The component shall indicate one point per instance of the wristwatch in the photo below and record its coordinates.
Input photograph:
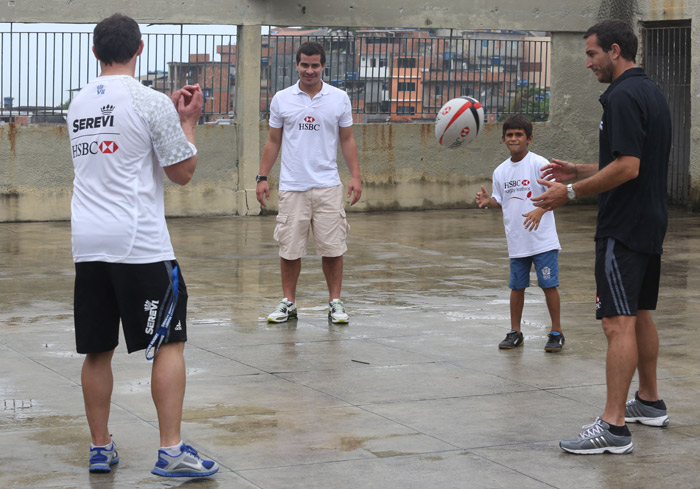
(259, 178)
(570, 193)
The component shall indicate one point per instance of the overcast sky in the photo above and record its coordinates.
(45, 66)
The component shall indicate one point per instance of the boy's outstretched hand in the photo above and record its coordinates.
(532, 219)
(483, 198)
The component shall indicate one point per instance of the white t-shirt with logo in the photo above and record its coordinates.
(513, 186)
(122, 134)
(310, 135)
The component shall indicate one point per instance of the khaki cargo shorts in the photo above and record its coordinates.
(320, 209)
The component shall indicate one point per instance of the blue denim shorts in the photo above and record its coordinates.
(546, 266)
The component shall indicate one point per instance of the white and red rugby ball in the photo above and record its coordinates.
(459, 122)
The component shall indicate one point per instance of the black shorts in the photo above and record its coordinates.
(626, 280)
(138, 294)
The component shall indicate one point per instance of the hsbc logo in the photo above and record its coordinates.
(462, 134)
(511, 184)
(309, 124)
(94, 147)
(518, 187)
(108, 147)
(516, 183)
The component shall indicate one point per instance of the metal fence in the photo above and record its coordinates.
(667, 61)
(42, 71)
(396, 75)
(392, 77)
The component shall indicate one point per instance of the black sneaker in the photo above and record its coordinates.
(512, 340)
(555, 342)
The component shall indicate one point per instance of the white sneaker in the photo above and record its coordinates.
(284, 311)
(336, 312)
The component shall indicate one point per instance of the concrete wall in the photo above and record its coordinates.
(568, 15)
(402, 165)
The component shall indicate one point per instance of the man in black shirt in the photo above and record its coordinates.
(630, 179)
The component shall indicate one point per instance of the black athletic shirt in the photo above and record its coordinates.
(636, 122)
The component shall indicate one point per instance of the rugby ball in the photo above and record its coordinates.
(459, 122)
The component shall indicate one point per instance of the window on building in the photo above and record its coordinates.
(407, 62)
(406, 86)
(405, 110)
(531, 66)
(467, 92)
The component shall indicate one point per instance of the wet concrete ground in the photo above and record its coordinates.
(414, 393)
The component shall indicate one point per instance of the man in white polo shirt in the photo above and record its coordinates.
(307, 120)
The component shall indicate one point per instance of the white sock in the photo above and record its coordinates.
(173, 451)
(107, 447)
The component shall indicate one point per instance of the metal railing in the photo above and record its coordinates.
(42, 71)
(410, 78)
(390, 75)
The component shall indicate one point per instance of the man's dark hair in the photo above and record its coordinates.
(116, 39)
(615, 31)
(518, 121)
(311, 48)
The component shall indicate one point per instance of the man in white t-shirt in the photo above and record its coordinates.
(531, 241)
(123, 137)
(307, 120)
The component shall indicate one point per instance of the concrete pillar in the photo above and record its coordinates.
(574, 107)
(249, 40)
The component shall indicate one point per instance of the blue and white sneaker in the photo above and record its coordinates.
(102, 458)
(187, 464)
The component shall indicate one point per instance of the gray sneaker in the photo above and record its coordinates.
(596, 438)
(284, 311)
(336, 312)
(638, 412)
(512, 340)
(187, 464)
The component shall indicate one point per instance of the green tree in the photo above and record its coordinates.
(531, 102)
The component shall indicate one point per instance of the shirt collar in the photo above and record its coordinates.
(632, 72)
(324, 89)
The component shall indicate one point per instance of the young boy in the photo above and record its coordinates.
(532, 241)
